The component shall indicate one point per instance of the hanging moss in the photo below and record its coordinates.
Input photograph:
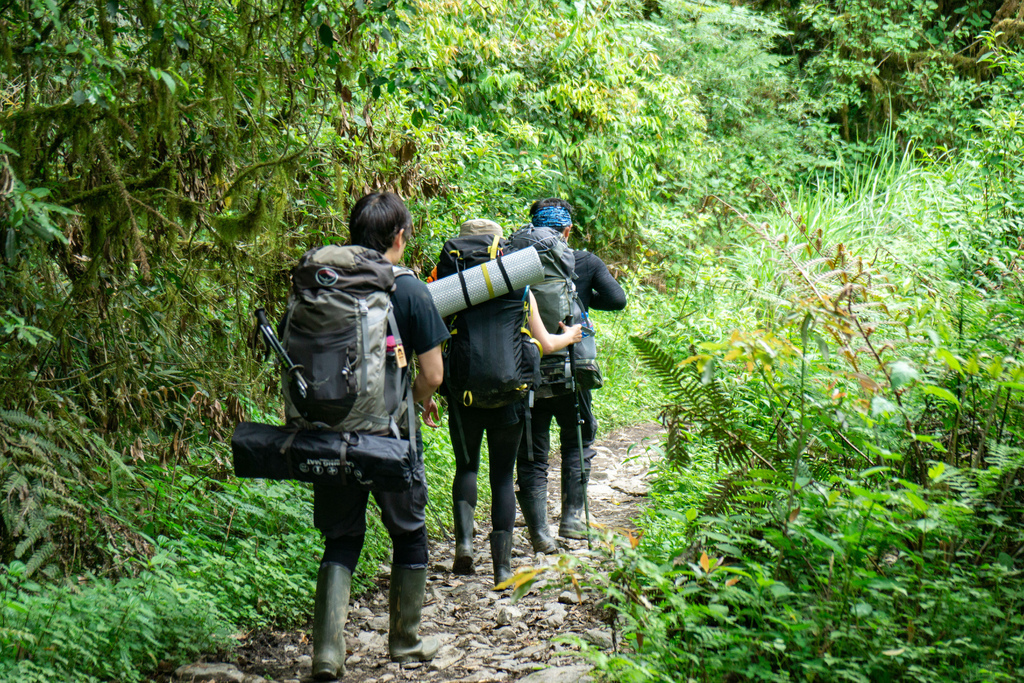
(5, 44)
(231, 229)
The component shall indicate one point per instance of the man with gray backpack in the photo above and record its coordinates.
(574, 282)
(354, 321)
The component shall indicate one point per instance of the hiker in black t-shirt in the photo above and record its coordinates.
(504, 427)
(597, 289)
(381, 221)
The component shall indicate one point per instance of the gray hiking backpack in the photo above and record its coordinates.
(555, 293)
(340, 327)
(557, 301)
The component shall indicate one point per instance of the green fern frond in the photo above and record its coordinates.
(722, 492)
(19, 420)
(39, 558)
(672, 376)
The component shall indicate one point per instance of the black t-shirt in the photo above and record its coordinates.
(419, 323)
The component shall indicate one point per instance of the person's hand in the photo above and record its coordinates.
(430, 413)
(575, 332)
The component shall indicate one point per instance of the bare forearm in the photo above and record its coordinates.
(430, 376)
(422, 389)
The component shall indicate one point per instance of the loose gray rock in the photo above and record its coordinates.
(568, 598)
(506, 633)
(599, 637)
(304, 661)
(369, 640)
(508, 614)
(486, 676)
(560, 674)
(205, 672)
(555, 608)
(553, 621)
(444, 661)
(379, 623)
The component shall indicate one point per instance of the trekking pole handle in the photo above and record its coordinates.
(275, 345)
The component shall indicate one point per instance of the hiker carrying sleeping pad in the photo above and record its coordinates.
(490, 365)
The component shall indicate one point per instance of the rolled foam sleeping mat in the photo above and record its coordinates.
(484, 282)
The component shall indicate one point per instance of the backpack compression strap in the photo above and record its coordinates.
(453, 406)
(494, 253)
(536, 373)
(410, 408)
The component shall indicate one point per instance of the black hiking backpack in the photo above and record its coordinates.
(491, 360)
(340, 327)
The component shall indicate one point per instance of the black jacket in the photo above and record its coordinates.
(595, 285)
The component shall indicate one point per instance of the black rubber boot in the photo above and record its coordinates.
(463, 514)
(406, 606)
(501, 556)
(534, 505)
(572, 524)
(333, 585)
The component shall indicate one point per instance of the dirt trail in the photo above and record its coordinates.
(484, 635)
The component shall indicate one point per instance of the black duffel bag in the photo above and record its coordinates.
(374, 463)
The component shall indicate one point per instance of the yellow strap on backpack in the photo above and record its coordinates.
(487, 280)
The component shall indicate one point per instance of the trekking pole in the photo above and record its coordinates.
(275, 345)
(579, 439)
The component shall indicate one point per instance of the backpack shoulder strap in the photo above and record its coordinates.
(410, 408)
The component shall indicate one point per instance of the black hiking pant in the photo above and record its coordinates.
(502, 447)
(533, 473)
(340, 513)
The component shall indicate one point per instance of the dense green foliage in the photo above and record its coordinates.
(815, 207)
(857, 404)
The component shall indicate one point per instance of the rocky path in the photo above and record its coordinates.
(484, 635)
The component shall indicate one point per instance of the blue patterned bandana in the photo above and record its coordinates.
(552, 217)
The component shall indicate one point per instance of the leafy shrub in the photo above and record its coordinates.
(859, 405)
(99, 629)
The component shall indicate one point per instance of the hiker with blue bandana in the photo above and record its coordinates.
(594, 288)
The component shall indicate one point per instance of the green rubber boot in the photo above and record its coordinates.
(534, 505)
(572, 524)
(406, 602)
(333, 586)
(463, 514)
(501, 556)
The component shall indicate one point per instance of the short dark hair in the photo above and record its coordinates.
(550, 201)
(376, 220)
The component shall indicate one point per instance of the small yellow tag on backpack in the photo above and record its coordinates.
(400, 356)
